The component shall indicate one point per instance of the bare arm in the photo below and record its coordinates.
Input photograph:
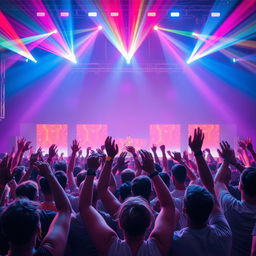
(250, 148)
(154, 149)
(203, 169)
(71, 180)
(109, 201)
(253, 249)
(164, 158)
(94, 222)
(165, 221)
(53, 151)
(56, 238)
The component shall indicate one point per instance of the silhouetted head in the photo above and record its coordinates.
(127, 175)
(60, 166)
(80, 177)
(18, 172)
(20, 222)
(248, 182)
(62, 178)
(28, 189)
(166, 178)
(125, 190)
(198, 204)
(44, 186)
(141, 186)
(179, 173)
(135, 216)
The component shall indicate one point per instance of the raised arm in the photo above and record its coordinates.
(228, 156)
(99, 231)
(5, 174)
(71, 181)
(53, 151)
(154, 149)
(195, 144)
(164, 158)
(20, 145)
(109, 201)
(242, 145)
(250, 148)
(138, 167)
(191, 175)
(56, 238)
(165, 221)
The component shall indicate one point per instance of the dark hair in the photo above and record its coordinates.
(28, 189)
(198, 203)
(60, 166)
(62, 178)
(80, 177)
(19, 221)
(248, 180)
(125, 190)
(77, 170)
(127, 175)
(44, 186)
(135, 216)
(141, 186)
(165, 177)
(18, 173)
(179, 172)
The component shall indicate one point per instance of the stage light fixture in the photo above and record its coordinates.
(92, 14)
(156, 27)
(234, 60)
(64, 14)
(40, 14)
(151, 14)
(55, 31)
(114, 14)
(175, 14)
(215, 14)
(194, 34)
(100, 27)
(26, 60)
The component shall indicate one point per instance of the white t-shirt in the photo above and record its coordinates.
(121, 248)
(212, 240)
(241, 217)
(178, 193)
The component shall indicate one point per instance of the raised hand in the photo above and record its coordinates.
(111, 147)
(227, 152)
(53, 150)
(20, 144)
(242, 144)
(147, 161)
(176, 156)
(185, 156)
(121, 160)
(154, 148)
(75, 147)
(93, 162)
(162, 147)
(5, 170)
(197, 141)
(33, 158)
(131, 150)
(27, 146)
(43, 168)
(249, 145)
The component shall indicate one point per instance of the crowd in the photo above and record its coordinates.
(130, 203)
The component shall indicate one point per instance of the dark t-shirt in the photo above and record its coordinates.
(42, 252)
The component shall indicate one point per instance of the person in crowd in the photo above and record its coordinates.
(134, 217)
(20, 221)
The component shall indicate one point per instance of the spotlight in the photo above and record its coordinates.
(64, 14)
(175, 14)
(194, 34)
(55, 31)
(151, 14)
(234, 60)
(100, 27)
(26, 60)
(114, 14)
(40, 14)
(215, 14)
(156, 27)
(92, 14)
